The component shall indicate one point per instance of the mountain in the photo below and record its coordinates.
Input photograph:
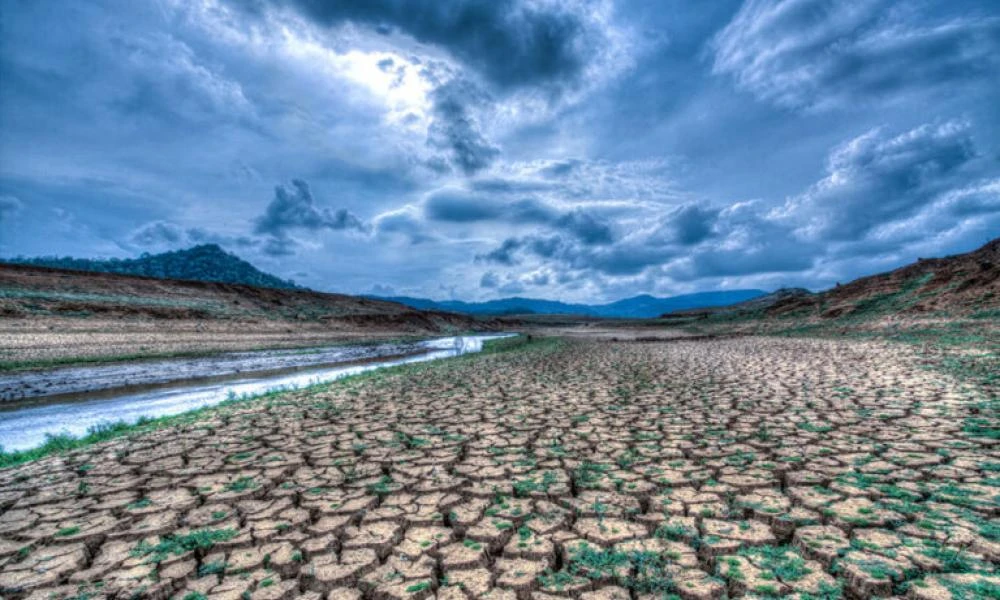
(646, 306)
(207, 262)
(638, 307)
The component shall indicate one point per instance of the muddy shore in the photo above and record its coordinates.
(73, 380)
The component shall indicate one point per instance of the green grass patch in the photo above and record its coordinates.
(61, 443)
(176, 545)
(643, 572)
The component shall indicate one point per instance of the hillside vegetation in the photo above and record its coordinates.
(964, 285)
(207, 262)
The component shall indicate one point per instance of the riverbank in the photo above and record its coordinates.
(57, 342)
(38, 383)
(52, 317)
(24, 426)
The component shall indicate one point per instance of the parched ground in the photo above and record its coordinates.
(750, 467)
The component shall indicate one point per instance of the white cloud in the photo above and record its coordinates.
(877, 178)
(823, 53)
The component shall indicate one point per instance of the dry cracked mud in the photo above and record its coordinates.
(751, 467)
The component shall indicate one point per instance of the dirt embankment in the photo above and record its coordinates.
(54, 316)
(955, 285)
(963, 287)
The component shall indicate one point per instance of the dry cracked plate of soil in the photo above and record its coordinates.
(750, 467)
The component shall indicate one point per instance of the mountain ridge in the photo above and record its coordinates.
(640, 306)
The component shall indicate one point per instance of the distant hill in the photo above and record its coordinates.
(207, 262)
(959, 284)
(962, 284)
(758, 305)
(29, 291)
(637, 307)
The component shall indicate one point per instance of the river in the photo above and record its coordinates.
(25, 424)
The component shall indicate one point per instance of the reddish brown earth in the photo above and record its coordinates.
(30, 291)
(592, 469)
(60, 315)
(952, 286)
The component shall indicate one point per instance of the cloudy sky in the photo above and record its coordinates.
(582, 150)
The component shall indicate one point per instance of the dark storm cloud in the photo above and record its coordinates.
(279, 246)
(512, 43)
(879, 178)
(802, 53)
(508, 186)
(593, 247)
(546, 247)
(200, 235)
(502, 254)
(623, 258)
(455, 131)
(763, 249)
(406, 223)
(88, 65)
(489, 280)
(691, 224)
(291, 209)
(977, 199)
(771, 256)
(456, 206)
(560, 169)
(585, 227)
(162, 235)
(882, 190)
(459, 206)
(750, 243)
(159, 233)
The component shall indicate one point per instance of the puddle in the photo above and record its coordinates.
(24, 425)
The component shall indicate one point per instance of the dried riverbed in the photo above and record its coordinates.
(25, 425)
(595, 470)
(74, 380)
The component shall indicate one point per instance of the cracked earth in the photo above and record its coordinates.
(751, 467)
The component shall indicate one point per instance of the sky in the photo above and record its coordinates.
(581, 150)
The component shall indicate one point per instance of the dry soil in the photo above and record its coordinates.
(749, 467)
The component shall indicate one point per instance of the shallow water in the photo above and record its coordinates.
(28, 385)
(26, 426)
